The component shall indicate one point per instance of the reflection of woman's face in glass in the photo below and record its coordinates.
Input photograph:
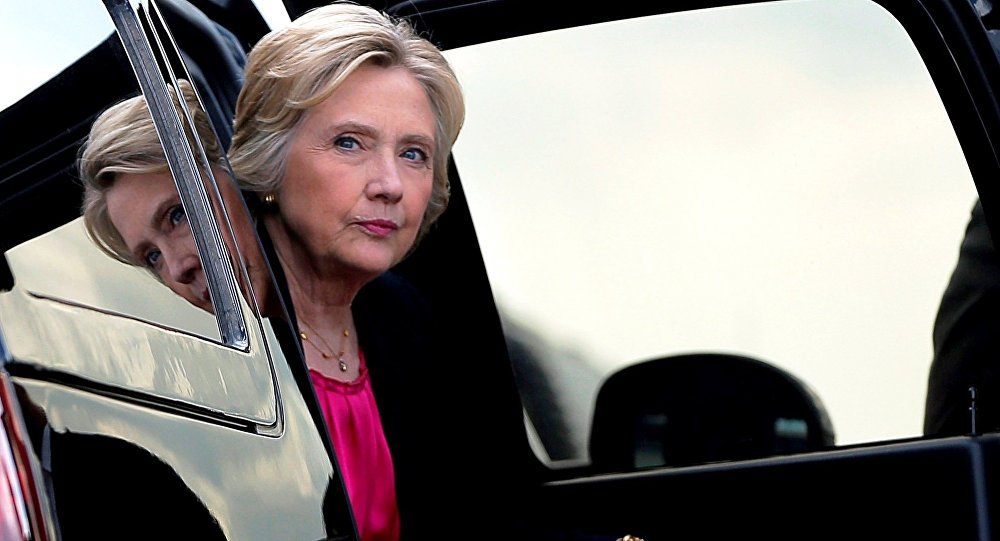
(146, 210)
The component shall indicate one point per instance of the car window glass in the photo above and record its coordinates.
(65, 264)
(69, 307)
(779, 181)
(53, 257)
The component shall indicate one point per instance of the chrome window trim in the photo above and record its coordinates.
(180, 159)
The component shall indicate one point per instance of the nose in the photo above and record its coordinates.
(181, 265)
(385, 182)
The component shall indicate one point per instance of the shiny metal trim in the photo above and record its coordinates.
(180, 159)
(5, 356)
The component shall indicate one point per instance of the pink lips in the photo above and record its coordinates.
(379, 228)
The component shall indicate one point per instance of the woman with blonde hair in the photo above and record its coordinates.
(343, 131)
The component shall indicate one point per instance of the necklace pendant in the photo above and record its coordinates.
(325, 355)
(343, 366)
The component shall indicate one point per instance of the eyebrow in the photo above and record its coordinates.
(161, 210)
(420, 139)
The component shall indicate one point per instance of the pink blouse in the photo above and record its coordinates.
(356, 429)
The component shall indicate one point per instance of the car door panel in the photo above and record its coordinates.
(110, 455)
(926, 490)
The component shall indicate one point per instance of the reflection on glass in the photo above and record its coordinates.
(62, 262)
(131, 207)
(777, 180)
(133, 213)
(65, 264)
(78, 310)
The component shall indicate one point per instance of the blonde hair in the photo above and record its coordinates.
(296, 67)
(123, 139)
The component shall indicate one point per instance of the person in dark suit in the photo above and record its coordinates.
(963, 391)
(342, 134)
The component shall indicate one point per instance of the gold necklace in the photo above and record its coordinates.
(326, 355)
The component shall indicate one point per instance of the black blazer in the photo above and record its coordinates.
(450, 413)
(449, 410)
(457, 473)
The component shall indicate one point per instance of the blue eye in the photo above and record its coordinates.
(414, 154)
(346, 142)
(176, 215)
(152, 258)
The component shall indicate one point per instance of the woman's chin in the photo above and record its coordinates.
(373, 261)
(369, 270)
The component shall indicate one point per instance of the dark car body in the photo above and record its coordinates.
(128, 414)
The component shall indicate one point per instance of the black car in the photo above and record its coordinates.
(690, 272)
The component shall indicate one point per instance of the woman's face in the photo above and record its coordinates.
(359, 174)
(146, 210)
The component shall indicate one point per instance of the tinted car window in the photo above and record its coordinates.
(63, 263)
(778, 181)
